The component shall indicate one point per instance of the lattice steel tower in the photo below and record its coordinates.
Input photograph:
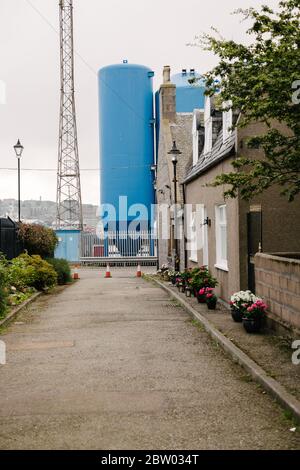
(69, 205)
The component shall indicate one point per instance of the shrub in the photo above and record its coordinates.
(20, 273)
(38, 240)
(3, 287)
(31, 271)
(62, 269)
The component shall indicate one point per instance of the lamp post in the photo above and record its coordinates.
(175, 153)
(19, 150)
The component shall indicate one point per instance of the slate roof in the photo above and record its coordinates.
(220, 151)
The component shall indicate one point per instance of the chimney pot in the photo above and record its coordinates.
(167, 74)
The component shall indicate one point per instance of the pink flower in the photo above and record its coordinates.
(209, 296)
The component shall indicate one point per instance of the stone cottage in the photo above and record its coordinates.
(231, 232)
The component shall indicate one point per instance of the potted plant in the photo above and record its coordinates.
(201, 296)
(211, 300)
(172, 276)
(178, 282)
(254, 316)
(239, 303)
(201, 279)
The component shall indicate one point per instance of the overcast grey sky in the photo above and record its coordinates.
(153, 33)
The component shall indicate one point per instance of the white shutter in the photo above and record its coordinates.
(195, 141)
(208, 136)
(227, 121)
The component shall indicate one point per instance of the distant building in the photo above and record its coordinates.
(44, 212)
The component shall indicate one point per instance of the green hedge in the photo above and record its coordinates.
(38, 240)
(62, 269)
(3, 289)
(31, 271)
(20, 277)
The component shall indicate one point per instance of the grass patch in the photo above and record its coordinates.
(290, 419)
(197, 325)
(246, 378)
(175, 302)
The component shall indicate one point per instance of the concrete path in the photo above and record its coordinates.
(114, 364)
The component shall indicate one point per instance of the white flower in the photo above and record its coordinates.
(244, 296)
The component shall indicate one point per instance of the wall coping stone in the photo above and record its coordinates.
(279, 259)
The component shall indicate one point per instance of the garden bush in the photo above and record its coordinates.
(62, 269)
(20, 273)
(31, 271)
(3, 287)
(38, 240)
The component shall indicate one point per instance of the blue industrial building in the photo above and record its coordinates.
(126, 113)
(68, 245)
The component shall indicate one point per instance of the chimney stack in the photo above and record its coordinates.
(168, 96)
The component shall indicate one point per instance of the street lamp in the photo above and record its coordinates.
(19, 150)
(175, 153)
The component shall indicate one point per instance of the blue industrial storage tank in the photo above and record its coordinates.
(126, 137)
(189, 96)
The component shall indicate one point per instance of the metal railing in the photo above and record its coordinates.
(119, 248)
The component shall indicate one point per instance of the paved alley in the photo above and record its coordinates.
(115, 364)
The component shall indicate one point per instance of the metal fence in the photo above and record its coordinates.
(9, 243)
(119, 248)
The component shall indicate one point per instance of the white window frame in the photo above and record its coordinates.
(193, 241)
(205, 238)
(221, 258)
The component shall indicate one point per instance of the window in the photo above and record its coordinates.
(221, 238)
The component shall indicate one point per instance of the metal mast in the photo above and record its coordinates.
(69, 205)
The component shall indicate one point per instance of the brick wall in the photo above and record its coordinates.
(278, 282)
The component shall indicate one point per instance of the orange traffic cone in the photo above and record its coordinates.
(139, 271)
(107, 275)
(76, 273)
